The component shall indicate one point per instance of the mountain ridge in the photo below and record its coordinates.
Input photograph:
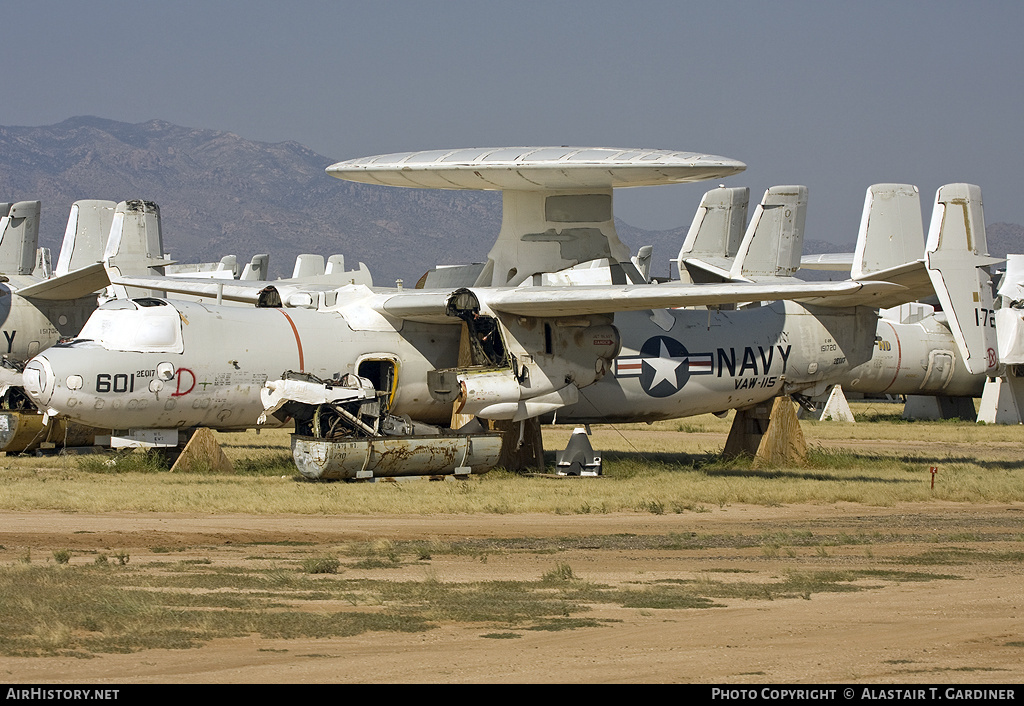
(222, 194)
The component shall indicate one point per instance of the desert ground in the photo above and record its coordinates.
(967, 628)
(824, 591)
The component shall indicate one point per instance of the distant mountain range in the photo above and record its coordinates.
(221, 194)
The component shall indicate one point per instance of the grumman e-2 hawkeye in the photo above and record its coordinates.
(508, 348)
(908, 358)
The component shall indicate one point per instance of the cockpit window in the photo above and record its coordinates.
(135, 325)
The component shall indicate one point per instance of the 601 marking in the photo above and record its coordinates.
(122, 382)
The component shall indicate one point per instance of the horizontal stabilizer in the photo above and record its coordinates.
(338, 278)
(73, 285)
(301, 292)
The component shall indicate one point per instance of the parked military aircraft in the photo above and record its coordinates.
(35, 308)
(511, 347)
(913, 357)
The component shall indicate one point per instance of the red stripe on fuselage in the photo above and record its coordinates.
(298, 341)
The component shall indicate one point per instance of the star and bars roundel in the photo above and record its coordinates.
(663, 366)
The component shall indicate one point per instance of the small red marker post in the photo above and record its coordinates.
(933, 470)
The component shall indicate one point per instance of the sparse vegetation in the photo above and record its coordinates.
(321, 565)
(289, 589)
(684, 474)
(87, 608)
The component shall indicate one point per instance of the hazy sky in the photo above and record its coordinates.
(834, 95)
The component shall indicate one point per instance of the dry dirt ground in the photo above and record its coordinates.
(965, 630)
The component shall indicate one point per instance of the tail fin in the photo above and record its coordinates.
(85, 237)
(335, 263)
(308, 266)
(135, 245)
(890, 233)
(956, 256)
(774, 239)
(714, 236)
(229, 263)
(258, 268)
(19, 237)
(642, 261)
(43, 268)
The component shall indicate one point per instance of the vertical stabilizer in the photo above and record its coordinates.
(85, 237)
(229, 263)
(308, 266)
(135, 245)
(718, 225)
(335, 264)
(43, 268)
(774, 240)
(642, 261)
(714, 236)
(257, 269)
(956, 256)
(891, 232)
(19, 237)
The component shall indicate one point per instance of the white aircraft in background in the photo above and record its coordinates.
(915, 357)
(514, 346)
(37, 308)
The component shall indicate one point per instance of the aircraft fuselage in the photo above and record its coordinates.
(209, 370)
(184, 364)
(711, 361)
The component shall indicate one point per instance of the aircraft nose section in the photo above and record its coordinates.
(39, 381)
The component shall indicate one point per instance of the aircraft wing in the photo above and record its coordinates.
(232, 290)
(229, 290)
(73, 285)
(431, 305)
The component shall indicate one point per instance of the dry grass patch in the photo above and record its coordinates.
(664, 468)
